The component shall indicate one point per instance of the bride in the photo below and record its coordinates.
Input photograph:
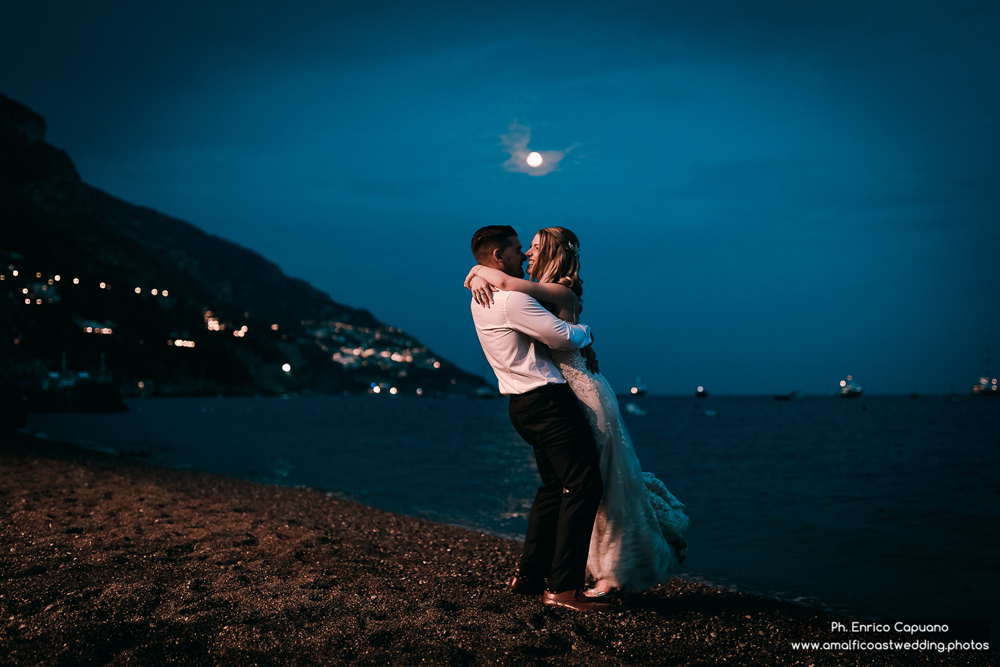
(638, 537)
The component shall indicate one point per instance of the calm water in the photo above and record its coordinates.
(885, 507)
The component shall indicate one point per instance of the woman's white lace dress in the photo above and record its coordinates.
(638, 517)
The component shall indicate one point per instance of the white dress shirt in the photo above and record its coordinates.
(514, 332)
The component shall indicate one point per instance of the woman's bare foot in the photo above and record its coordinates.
(601, 589)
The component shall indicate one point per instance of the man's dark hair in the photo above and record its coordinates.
(489, 238)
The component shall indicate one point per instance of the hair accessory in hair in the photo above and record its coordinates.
(573, 248)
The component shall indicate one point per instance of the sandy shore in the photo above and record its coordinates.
(106, 560)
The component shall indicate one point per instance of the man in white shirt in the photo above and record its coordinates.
(514, 333)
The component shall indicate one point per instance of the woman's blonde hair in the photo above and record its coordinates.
(558, 259)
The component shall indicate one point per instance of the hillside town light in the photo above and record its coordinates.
(287, 368)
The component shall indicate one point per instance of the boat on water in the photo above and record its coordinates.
(986, 387)
(848, 389)
(789, 396)
(639, 389)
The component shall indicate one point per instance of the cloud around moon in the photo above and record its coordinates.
(515, 143)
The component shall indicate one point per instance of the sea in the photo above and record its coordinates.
(880, 507)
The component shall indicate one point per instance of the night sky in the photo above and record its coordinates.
(769, 195)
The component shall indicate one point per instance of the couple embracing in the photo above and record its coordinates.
(596, 512)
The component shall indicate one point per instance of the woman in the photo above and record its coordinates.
(638, 536)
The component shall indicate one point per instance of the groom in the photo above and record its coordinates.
(514, 333)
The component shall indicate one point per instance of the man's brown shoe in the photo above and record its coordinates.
(573, 600)
(524, 586)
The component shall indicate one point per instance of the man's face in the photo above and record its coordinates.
(512, 258)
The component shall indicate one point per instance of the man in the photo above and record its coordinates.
(514, 333)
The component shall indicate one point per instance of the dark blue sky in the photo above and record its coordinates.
(769, 196)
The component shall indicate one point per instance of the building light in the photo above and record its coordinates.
(165, 293)
(437, 364)
(76, 281)
(103, 285)
(27, 301)
(138, 290)
(286, 367)
(58, 278)
(153, 291)
(39, 302)
(393, 391)
(24, 291)
(14, 273)
(274, 327)
(181, 343)
(376, 389)
(38, 275)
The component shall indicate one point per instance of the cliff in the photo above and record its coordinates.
(95, 285)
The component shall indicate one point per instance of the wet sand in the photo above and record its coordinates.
(106, 560)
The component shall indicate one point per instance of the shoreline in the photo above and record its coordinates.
(106, 559)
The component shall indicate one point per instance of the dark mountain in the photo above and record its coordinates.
(92, 284)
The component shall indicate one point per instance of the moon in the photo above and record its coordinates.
(534, 159)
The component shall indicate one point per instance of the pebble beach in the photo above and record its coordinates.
(105, 560)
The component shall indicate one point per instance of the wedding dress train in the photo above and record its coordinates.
(638, 518)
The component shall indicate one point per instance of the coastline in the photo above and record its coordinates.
(104, 559)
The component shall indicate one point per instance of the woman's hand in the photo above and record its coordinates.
(482, 291)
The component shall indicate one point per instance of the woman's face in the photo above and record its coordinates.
(532, 251)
